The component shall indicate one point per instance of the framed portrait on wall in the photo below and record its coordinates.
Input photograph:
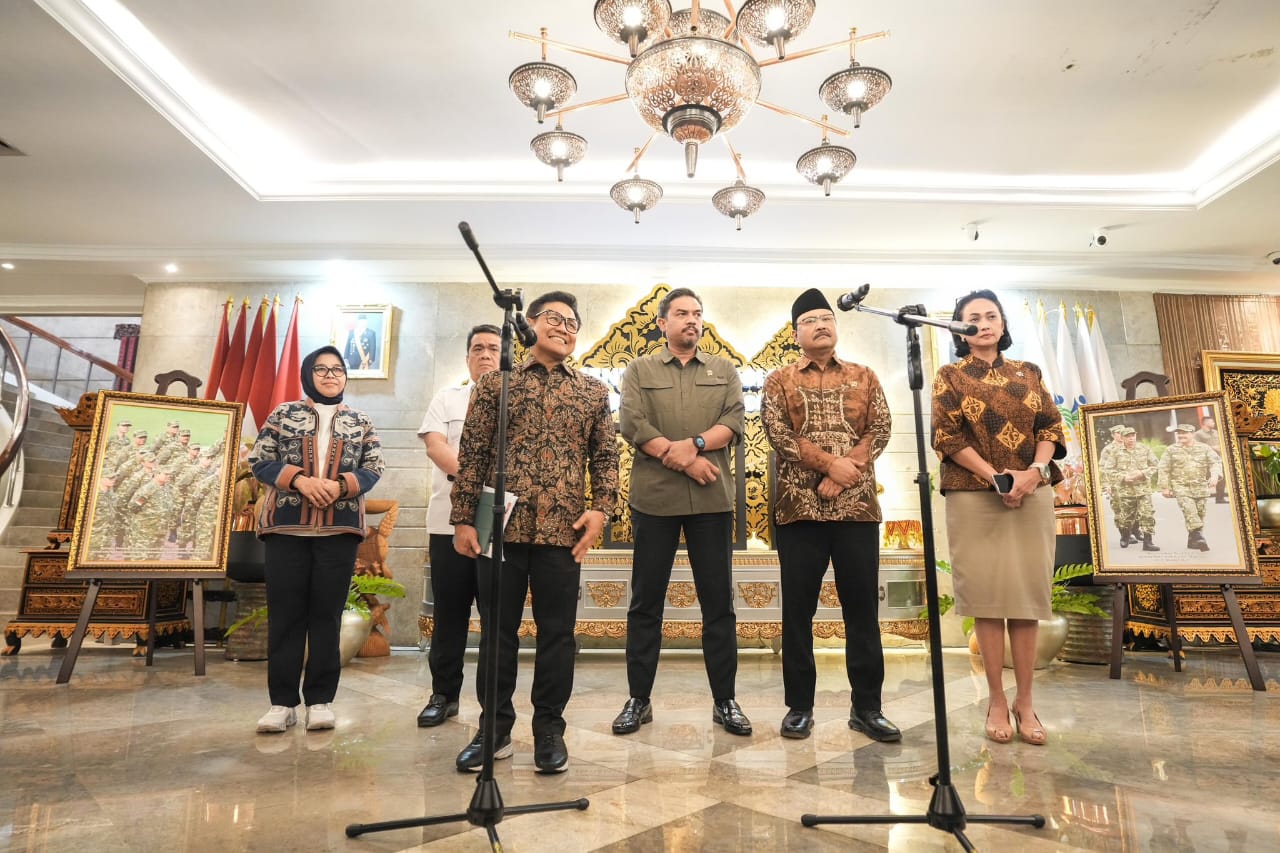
(363, 334)
(157, 492)
(1167, 496)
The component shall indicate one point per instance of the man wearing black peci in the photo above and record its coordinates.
(827, 420)
(559, 429)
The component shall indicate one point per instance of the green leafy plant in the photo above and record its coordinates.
(1266, 468)
(361, 585)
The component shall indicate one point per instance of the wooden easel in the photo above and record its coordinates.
(91, 597)
(1120, 613)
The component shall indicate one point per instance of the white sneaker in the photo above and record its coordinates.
(277, 719)
(320, 717)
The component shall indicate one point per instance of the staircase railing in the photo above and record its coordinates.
(61, 346)
(9, 360)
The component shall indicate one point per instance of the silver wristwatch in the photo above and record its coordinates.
(1043, 468)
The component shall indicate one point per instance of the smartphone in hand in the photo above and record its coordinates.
(1003, 483)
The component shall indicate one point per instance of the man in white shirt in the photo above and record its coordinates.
(453, 576)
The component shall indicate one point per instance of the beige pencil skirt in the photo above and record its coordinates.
(1001, 558)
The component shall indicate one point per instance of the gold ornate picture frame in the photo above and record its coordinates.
(1251, 381)
(1134, 495)
(156, 497)
(363, 333)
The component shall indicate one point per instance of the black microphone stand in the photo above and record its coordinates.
(486, 808)
(945, 811)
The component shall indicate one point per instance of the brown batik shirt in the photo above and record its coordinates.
(813, 415)
(559, 428)
(1002, 410)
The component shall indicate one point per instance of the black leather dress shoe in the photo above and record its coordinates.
(797, 724)
(550, 755)
(634, 714)
(874, 725)
(726, 712)
(438, 709)
(472, 756)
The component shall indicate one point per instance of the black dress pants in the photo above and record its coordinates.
(709, 538)
(551, 574)
(853, 548)
(307, 582)
(453, 589)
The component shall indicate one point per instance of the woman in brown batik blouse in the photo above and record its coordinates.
(993, 416)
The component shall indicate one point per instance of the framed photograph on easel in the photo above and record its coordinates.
(1153, 468)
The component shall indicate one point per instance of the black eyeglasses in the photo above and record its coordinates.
(555, 318)
(321, 370)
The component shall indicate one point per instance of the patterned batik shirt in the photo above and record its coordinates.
(813, 415)
(1002, 410)
(559, 428)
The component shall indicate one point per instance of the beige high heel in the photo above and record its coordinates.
(999, 734)
(1036, 735)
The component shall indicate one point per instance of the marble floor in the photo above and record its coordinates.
(130, 758)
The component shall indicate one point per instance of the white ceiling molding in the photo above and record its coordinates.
(270, 167)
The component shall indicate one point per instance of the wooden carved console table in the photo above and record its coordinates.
(605, 592)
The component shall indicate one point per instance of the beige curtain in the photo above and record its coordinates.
(1190, 324)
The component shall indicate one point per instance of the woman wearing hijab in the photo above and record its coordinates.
(316, 458)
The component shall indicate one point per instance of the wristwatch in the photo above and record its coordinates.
(700, 443)
(1043, 468)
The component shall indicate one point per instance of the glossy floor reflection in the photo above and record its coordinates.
(127, 758)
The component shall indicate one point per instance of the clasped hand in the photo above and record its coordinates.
(317, 490)
(683, 456)
(1024, 483)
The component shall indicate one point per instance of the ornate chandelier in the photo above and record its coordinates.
(692, 76)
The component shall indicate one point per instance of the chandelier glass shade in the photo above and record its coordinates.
(738, 201)
(632, 22)
(636, 195)
(559, 148)
(826, 165)
(770, 23)
(693, 87)
(693, 76)
(855, 90)
(542, 86)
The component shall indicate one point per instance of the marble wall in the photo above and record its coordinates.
(431, 322)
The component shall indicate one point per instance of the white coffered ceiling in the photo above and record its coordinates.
(263, 139)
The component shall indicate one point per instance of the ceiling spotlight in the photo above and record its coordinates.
(738, 201)
(769, 23)
(171, 268)
(1274, 257)
(542, 86)
(559, 148)
(827, 164)
(6, 265)
(632, 21)
(1099, 239)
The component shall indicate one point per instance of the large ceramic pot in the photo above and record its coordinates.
(1088, 637)
(354, 632)
(1049, 640)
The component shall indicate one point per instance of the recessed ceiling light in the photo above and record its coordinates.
(6, 265)
(170, 268)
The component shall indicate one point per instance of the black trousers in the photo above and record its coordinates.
(307, 582)
(551, 574)
(709, 538)
(453, 589)
(853, 548)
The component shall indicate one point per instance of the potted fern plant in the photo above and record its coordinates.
(356, 614)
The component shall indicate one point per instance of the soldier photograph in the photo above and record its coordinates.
(1189, 472)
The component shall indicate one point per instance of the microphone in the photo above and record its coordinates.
(468, 237)
(851, 300)
(528, 337)
(967, 330)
